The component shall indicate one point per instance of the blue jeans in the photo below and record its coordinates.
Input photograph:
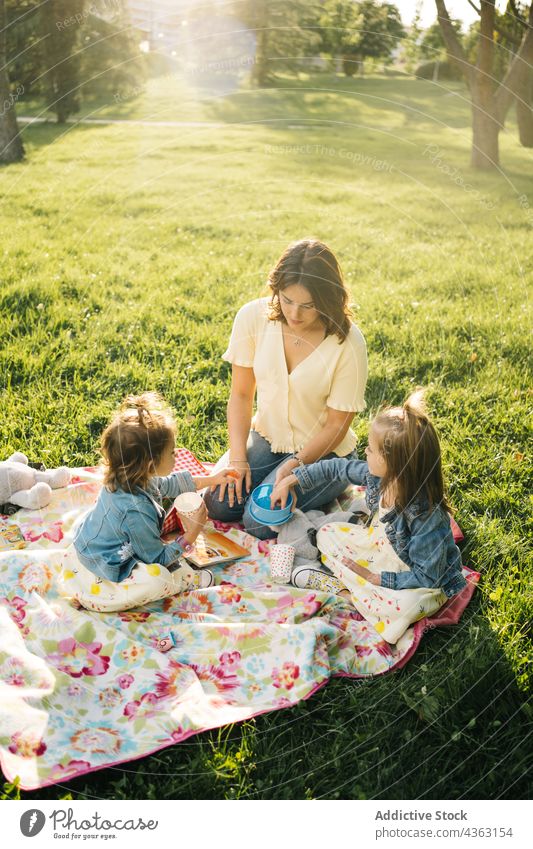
(264, 465)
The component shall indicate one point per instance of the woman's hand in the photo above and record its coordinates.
(224, 477)
(192, 526)
(369, 576)
(280, 493)
(236, 475)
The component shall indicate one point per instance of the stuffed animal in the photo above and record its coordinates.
(26, 487)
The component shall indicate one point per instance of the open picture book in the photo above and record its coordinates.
(212, 549)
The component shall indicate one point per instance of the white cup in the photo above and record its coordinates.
(188, 504)
(281, 560)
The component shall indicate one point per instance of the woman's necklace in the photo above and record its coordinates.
(299, 340)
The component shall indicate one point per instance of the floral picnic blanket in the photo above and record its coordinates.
(81, 690)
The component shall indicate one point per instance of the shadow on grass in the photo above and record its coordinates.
(324, 99)
(42, 135)
(321, 99)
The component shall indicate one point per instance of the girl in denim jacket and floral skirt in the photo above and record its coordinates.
(407, 542)
(121, 560)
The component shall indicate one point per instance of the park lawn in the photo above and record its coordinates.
(125, 253)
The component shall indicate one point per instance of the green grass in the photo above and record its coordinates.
(125, 253)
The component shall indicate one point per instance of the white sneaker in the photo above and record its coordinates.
(199, 579)
(308, 578)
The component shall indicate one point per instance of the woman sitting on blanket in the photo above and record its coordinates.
(412, 546)
(307, 360)
(122, 560)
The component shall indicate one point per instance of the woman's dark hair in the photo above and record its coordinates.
(410, 446)
(134, 440)
(311, 264)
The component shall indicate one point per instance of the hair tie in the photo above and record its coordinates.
(136, 409)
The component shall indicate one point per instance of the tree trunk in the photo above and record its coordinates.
(485, 139)
(260, 71)
(485, 128)
(524, 113)
(350, 65)
(11, 147)
(260, 68)
(61, 112)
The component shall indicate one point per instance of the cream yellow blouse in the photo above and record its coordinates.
(292, 408)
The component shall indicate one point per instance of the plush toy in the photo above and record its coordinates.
(26, 487)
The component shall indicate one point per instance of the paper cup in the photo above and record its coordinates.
(281, 560)
(188, 504)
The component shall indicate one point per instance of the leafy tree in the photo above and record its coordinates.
(428, 46)
(286, 31)
(411, 46)
(382, 29)
(65, 50)
(341, 23)
(490, 101)
(11, 147)
(25, 44)
(432, 44)
(357, 30)
(110, 58)
(60, 29)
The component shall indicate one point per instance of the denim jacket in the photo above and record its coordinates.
(420, 536)
(125, 527)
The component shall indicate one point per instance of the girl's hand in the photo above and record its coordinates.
(193, 526)
(286, 469)
(236, 475)
(369, 576)
(280, 493)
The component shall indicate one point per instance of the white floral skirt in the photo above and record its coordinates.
(147, 582)
(391, 612)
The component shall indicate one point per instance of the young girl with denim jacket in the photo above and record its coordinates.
(122, 561)
(404, 490)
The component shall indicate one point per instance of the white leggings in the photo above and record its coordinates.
(391, 612)
(147, 582)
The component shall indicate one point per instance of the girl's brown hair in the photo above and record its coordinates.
(134, 440)
(410, 446)
(311, 264)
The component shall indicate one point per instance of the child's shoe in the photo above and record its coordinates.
(308, 578)
(198, 579)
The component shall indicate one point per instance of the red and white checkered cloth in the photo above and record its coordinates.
(185, 462)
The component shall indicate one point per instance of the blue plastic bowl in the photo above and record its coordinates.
(260, 507)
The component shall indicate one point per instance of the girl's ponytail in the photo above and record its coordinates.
(142, 408)
(415, 405)
(134, 441)
(412, 454)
